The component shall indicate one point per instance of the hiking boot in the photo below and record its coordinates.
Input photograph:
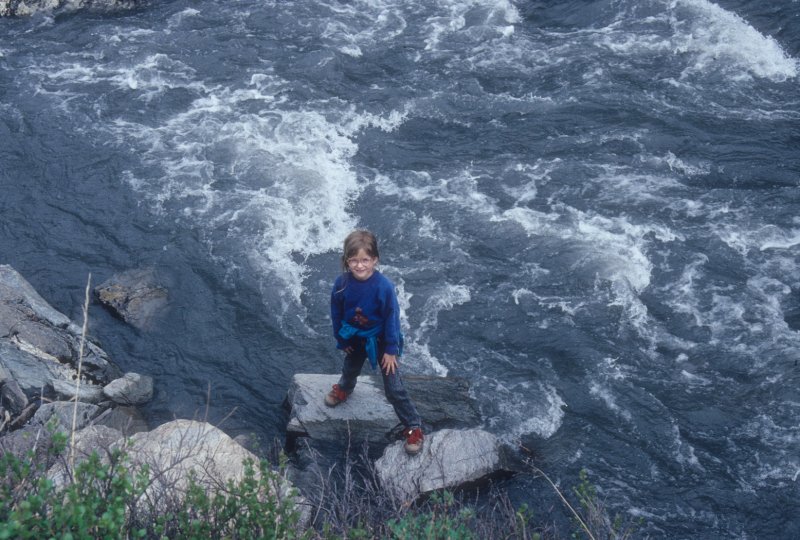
(335, 396)
(414, 438)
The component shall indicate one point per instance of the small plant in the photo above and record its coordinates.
(251, 508)
(596, 514)
(444, 521)
(93, 503)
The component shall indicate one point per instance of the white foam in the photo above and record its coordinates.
(567, 306)
(606, 395)
(695, 379)
(683, 451)
(782, 463)
(450, 17)
(156, 74)
(361, 25)
(444, 298)
(521, 414)
(537, 173)
(267, 182)
(678, 165)
(682, 295)
(459, 190)
(429, 228)
(178, 18)
(716, 36)
(614, 246)
(780, 239)
(146, 79)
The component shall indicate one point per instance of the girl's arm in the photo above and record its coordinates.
(337, 313)
(391, 318)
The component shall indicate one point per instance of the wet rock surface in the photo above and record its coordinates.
(137, 296)
(38, 344)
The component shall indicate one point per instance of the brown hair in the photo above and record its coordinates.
(356, 240)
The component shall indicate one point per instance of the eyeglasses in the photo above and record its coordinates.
(362, 262)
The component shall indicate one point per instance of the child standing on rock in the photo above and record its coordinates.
(366, 324)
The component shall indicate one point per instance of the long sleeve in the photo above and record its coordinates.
(337, 312)
(391, 318)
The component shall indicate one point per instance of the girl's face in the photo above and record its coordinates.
(361, 265)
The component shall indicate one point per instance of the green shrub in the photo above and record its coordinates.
(248, 509)
(443, 522)
(103, 499)
(92, 504)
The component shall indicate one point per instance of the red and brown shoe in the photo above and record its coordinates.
(414, 440)
(335, 396)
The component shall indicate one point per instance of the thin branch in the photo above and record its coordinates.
(563, 499)
(78, 380)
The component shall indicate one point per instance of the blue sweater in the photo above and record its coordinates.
(365, 304)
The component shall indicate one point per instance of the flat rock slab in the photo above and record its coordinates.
(31, 372)
(88, 393)
(449, 458)
(367, 415)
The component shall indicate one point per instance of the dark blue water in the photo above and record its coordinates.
(590, 210)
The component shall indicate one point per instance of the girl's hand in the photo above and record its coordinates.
(389, 363)
(348, 350)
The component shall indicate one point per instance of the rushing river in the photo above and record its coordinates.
(591, 210)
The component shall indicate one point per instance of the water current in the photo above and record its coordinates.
(590, 209)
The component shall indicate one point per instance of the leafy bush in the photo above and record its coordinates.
(103, 498)
(443, 522)
(250, 508)
(92, 504)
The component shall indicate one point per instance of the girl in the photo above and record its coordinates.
(366, 324)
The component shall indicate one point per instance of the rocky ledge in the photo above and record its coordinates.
(39, 361)
(455, 451)
(39, 354)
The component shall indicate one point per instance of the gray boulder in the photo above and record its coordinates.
(130, 389)
(38, 344)
(134, 295)
(178, 449)
(367, 415)
(449, 458)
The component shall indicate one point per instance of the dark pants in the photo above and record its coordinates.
(392, 384)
